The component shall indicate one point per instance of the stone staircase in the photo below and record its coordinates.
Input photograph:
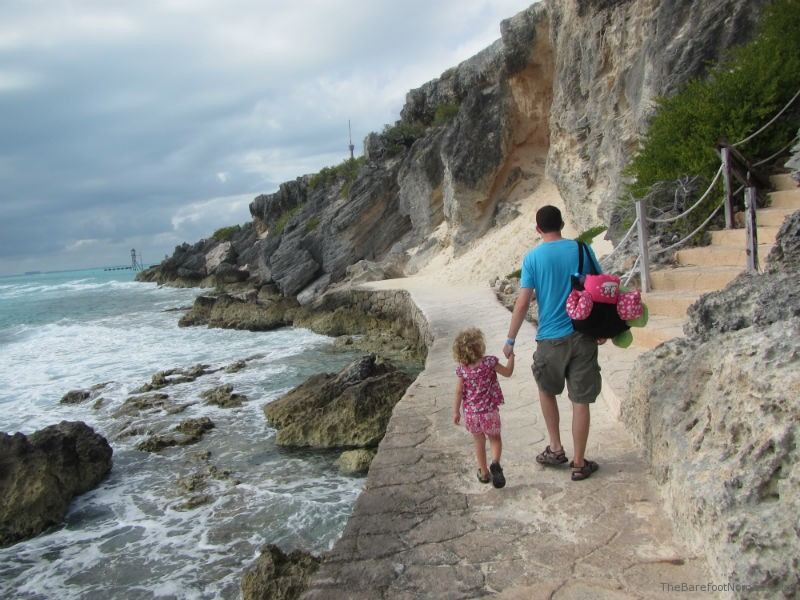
(710, 268)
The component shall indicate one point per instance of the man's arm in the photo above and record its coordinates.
(517, 317)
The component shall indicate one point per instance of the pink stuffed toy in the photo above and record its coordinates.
(579, 305)
(604, 288)
(629, 305)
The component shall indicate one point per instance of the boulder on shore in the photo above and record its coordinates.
(355, 462)
(278, 576)
(42, 472)
(350, 409)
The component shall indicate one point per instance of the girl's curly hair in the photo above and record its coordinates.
(469, 346)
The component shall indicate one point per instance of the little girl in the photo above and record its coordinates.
(479, 392)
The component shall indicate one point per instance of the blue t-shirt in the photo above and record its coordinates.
(546, 269)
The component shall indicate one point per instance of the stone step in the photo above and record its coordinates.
(736, 237)
(669, 304)
(785, 199)
(693, 279)
(718, 255)
(772, 217)
(783, 182)
(658, 330)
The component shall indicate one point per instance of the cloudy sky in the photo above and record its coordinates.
(145, 123)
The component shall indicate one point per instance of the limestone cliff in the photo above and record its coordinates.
(718, 415)
(566, 92)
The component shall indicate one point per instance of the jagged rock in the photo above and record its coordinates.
(42, 472)
(351, 408)
(278, 576)
(364, 271)
(78, 396)
(235, 367)
(786, 251)
(187, 432)
(223, 397)
(134, 405)
(163, 379)
(75, 397)
(313, 290)
(355, 462)
(223, 253)
(718, 416)
(232, 313)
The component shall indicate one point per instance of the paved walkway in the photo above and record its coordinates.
(424, 527)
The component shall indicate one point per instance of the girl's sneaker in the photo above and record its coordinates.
(498, 479)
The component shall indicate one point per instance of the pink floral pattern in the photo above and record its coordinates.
(629, 305)
(481, 396)
(487, 423)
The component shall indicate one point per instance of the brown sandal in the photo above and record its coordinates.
(584, 472)
(484, 479)
(548, 457)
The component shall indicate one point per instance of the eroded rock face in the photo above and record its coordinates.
(278, 576)
(612, 60)
(42, 472)
(355, 462)
(350, 409)
(718, 416)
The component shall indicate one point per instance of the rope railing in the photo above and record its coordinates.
(623, 240)
(775, 118)
(691, 235)
(777, 154)
(733, 163)
(695, 205)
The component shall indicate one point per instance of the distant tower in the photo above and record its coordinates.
(136, 265)
(350, 134)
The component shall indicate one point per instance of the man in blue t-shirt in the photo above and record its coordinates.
(562, 354)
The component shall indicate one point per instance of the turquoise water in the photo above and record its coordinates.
(130, 537)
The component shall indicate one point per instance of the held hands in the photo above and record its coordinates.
(508, 350)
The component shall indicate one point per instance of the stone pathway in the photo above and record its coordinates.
(424, 527)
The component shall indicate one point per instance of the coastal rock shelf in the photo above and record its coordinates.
(425, 528)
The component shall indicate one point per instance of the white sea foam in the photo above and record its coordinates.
(128, 538)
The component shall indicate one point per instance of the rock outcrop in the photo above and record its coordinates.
(278, 576)
(350, 409)
(188, 431)
(42, 472)
(718, 416)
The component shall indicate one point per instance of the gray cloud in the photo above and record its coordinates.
(146, 124)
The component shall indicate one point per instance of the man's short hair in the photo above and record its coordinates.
(548, 219)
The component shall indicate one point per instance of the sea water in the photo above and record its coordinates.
(131, 537)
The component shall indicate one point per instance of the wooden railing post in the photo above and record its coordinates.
(644, 258)
(725, 154)
(750, 230)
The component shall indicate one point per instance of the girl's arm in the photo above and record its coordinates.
(457, 401)
(507, 370)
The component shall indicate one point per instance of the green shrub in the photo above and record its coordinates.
(739, 95)
(401, 135)
(223, 234)
(280, 224)
(312, 224)
(347, 170)
(445, 112)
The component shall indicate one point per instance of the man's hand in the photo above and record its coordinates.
(457, 418)
(508, 350)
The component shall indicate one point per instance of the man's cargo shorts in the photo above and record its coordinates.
(572, 358)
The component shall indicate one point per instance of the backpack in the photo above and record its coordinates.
(599, 319)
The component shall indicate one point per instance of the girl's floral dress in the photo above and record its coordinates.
(482, 396)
